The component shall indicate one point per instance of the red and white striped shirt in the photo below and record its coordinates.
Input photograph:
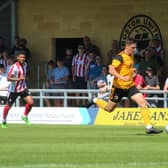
(79, 63)
(17, 71)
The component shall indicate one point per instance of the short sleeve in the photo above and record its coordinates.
(117, 61)
(12, 71)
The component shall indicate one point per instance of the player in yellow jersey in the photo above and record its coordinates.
(122, 69)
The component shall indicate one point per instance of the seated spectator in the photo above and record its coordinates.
(59, 80)
(139, 80)
(4, 84)
(104, 82)
(89, 46)
(151, 83)
(48, 82)
(149, 61)
(165, 85)
(112, 52)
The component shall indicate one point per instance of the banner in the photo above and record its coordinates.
(49, 115)
(131, 116)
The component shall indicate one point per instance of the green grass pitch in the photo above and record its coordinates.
(53, 146)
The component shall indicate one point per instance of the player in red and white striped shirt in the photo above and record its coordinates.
(17, 76)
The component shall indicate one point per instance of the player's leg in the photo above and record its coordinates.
(29, 103)
(10, 100)
(145, 113)
(114, 98)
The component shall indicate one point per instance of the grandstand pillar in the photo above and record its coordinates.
(13, 21)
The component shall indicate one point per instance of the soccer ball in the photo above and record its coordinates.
(166, 128)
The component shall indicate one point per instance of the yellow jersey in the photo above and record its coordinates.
(123, 64)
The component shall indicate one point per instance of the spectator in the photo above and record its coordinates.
(23, 46)
(98, 68)
(139, 80)
(10, 61)
(2, 45)
(91, 71)
(112, 52)
(59, 79)
(89, 46)
(48, 82)
(3, 85)
(3, 58)
(165, 85)
(104, 82)
(148, 61)
(68, 61)
(152, 83)
(16, 45)
(79, 71)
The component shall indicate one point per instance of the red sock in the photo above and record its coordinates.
(5, 112)
(28, 108)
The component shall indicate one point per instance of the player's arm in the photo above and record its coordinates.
(11, 75)
(115, 64)
(12, 78)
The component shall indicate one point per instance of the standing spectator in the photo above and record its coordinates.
(68, 60)
(23, 47)
(68, 63)
(98, 68)
(91, 71)
(112, 52)
(16, 45)
(152, 83)
(2, 45)
(3, 58)
(48, 82)
(79, 71)
(59, 79)
(89, 46)
(10, 61)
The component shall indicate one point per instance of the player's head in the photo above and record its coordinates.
(20, 56)
(130, 46)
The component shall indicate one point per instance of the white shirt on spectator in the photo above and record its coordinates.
(4, 84)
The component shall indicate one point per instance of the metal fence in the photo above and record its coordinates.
(69, 94)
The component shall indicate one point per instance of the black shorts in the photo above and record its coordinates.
(117, 94)
(3, 100)
(80, 83)
(13, 96)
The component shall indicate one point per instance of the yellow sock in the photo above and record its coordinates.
(101, 103)
(145, 115)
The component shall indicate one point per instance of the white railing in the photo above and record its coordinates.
(42, 94)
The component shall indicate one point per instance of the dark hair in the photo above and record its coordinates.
(130, 41)
(51, 62)
(19, 52)
(60, 59)
(2, 66)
